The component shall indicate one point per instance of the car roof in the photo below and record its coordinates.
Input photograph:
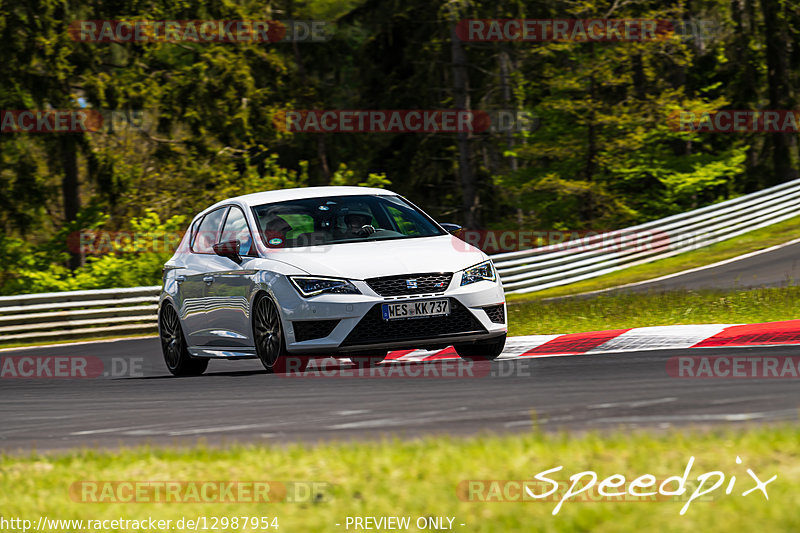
(282, 195)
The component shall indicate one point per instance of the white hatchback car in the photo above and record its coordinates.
(344, 271)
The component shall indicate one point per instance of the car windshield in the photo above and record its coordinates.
(341, 219)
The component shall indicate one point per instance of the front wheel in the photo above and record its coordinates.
(481, 351)
(173, 345)
(270, 345)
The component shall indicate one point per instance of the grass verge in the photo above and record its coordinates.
(631, 310)
(749, 242)
(420, 479)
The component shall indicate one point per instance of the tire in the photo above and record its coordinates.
(269, 340)
(173, 345)
(367, 360)
(481, 351)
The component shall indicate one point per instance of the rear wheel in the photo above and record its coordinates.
(483, 350)
(368, 359)
(173, 345)
(270, 345)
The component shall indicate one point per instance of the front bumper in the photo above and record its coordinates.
(352, 323)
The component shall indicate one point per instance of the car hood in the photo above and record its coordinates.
(362, 260)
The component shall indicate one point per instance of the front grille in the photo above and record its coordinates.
(306, 330)
(372, 329)
(398, 285)
(496, 313)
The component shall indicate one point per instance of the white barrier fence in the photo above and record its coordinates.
(576, 260)
(78, 314)
(119, 312)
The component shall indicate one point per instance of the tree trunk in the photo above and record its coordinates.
(322, 154)
(470, 200)
(505, 70)
(747, 80)
(70, 191)
(779, 89)
(590, 165)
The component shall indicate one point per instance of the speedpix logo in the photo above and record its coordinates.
(614, 488)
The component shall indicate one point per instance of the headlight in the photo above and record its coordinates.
(483, 271)
(308, 286)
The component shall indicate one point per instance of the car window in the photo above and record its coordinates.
(340, 219)
(208, 233)
(193, 234)
(236, 229)
(402, 223)
(300, 223)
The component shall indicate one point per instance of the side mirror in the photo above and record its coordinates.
(229, 249)
(452, 229)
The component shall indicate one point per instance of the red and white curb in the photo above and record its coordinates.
(631, 340)
(598, 342)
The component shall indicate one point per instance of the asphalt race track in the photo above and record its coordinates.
(776, 268)
(238, 402)
(133, 399)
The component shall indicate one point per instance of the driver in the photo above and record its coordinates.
(358, 223)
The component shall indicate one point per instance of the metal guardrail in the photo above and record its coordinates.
(580, 259)
(98, 313)
(78, 314)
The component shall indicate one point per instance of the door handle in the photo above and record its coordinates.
(180, 279)
(208, 279)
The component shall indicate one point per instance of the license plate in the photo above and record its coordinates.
(400, 310)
